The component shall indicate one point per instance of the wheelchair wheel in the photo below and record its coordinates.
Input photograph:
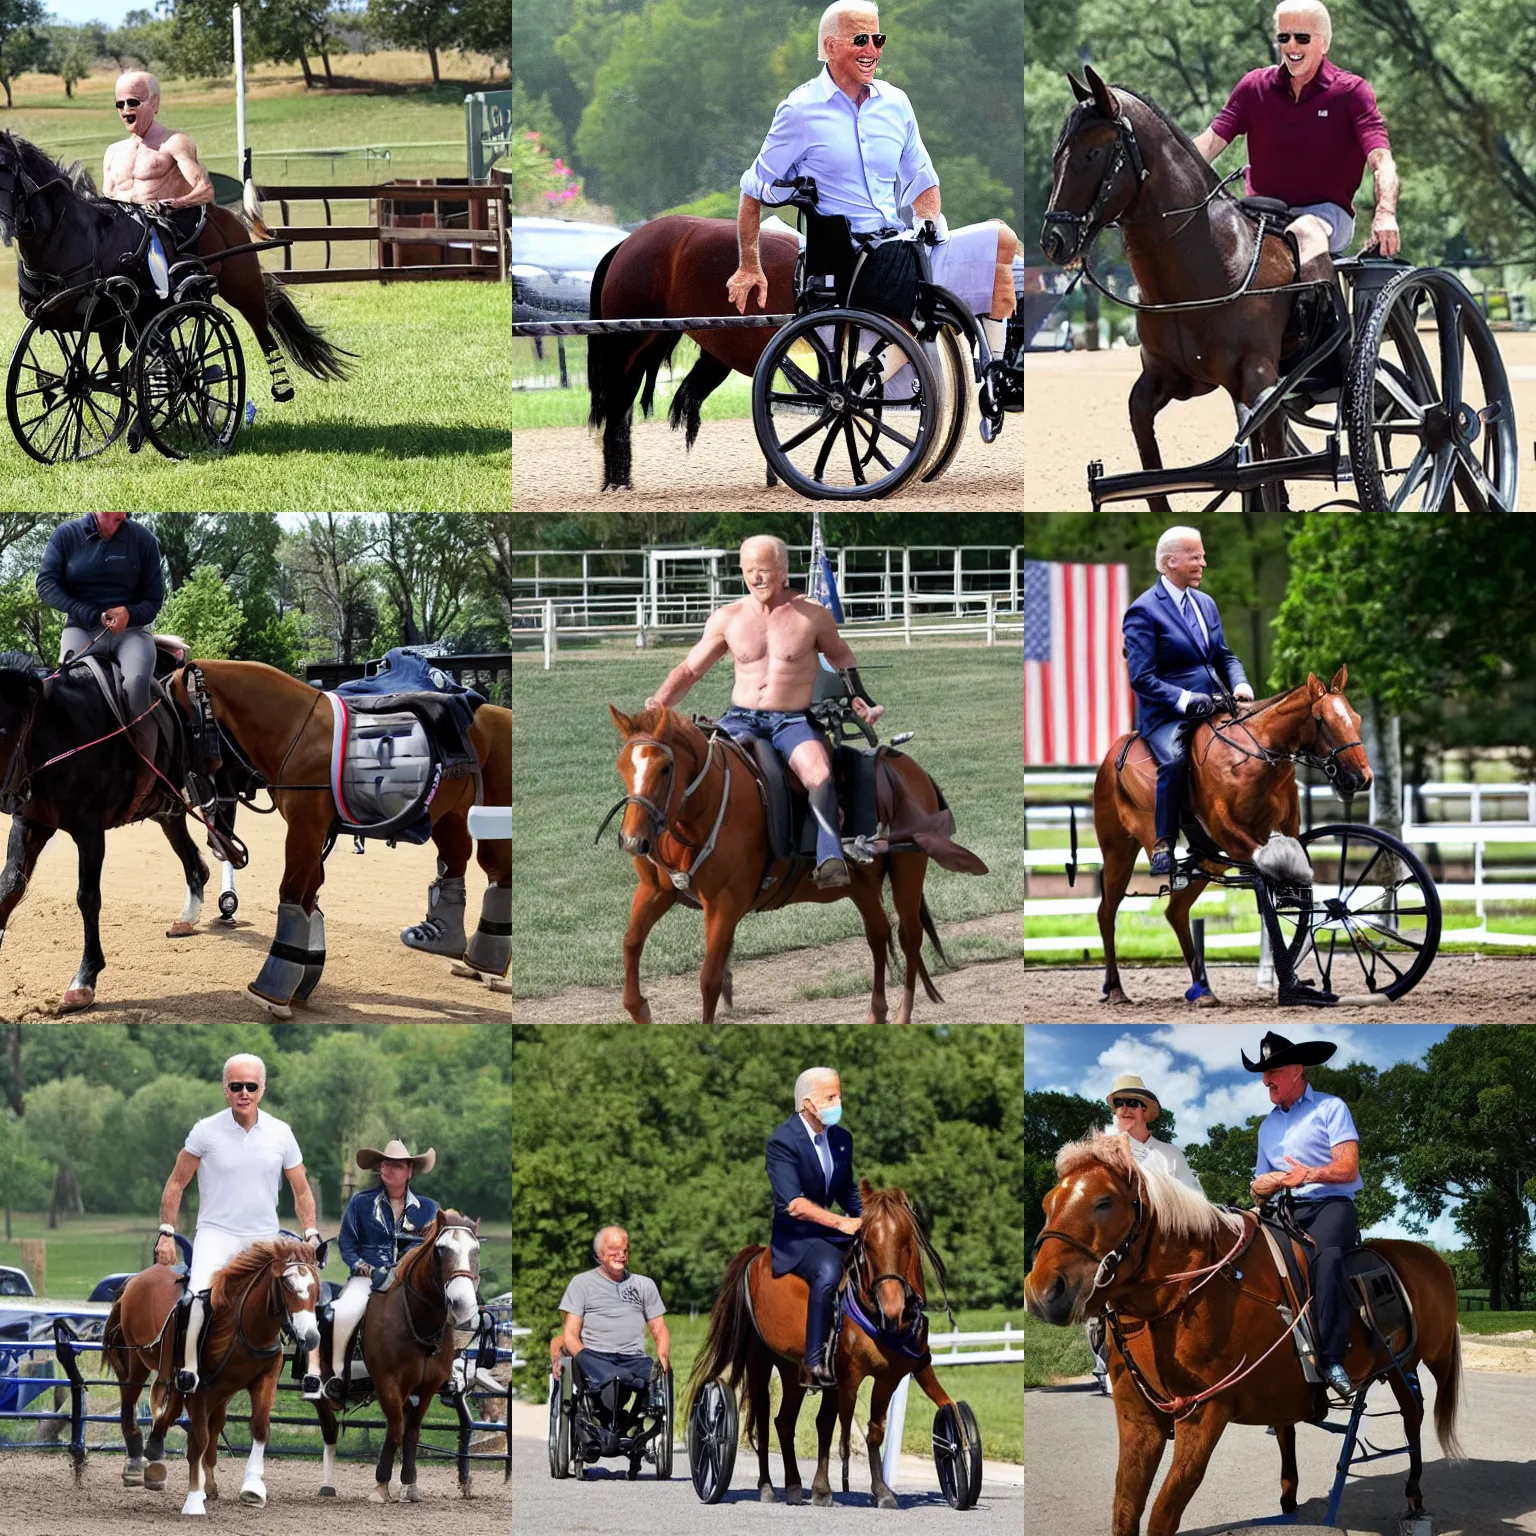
(957, 1454)
(952, 367)
(189, 374)
(713, 1428)
(66, 394)
(661, 1447)
(845, 404)
(560, 1422)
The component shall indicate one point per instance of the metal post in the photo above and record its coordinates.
(549, 633)
(992, 618)
(895, 1423)
(959, 577)
(565, 372)
(239, 90)
(906, 593)
(890, 613)
(586, 610)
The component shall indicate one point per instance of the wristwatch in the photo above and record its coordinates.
(166, 1230)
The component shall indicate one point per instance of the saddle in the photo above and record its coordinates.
(1137, 768)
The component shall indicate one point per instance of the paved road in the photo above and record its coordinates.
(608, 1504)
(1070, 1450)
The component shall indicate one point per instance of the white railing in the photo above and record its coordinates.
(518, 1333)
(490, 821)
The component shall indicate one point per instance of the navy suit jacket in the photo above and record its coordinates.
(794, 1171)
(1164, 658)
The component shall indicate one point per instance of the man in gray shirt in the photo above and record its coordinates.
(607, 1312)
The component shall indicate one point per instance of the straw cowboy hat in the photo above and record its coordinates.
(1129, 1086)
(1276, 1051)
(421, 1162)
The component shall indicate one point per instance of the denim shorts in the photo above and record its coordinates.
(1340, 222)
(786, 729)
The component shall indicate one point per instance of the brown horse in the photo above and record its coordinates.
(1242, 785)
(1162, 1263)
(270, 1287)
(679, 784)
(758, 1322)
(282, 728)
(408, 1347)
(1121, 160)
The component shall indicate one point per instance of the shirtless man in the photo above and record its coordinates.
(154, 164)
(773, 636)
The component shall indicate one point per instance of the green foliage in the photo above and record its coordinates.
(205, 615)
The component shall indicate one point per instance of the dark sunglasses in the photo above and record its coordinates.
(1303, 38)
(243, 1087)
(131, 101)
(1127, 1104)
(861, 38)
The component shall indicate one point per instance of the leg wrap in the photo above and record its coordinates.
(490, 950)
(284, 969)
(441, 932)
(282, 388)
(315, 963)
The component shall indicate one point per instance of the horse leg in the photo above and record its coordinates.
(706, 376)
(175, 828)
(907, 873)
(615, 370)
(1412, 1406)
(879, 1401)
(253, 1490)
(129, 1387)
(1290, 1478)
(409, 1491)
(826, 1418)
(441, 931)
(720, 919)
(865, 894)
(1119, 862)
(650, 901)
(1260, 375)
(26, 842)
(91, 845)
(392, 1403)
(165, 1412)
(1149, 394)
(791, 1396)
(1143, 1438)
(291, 962)
(759, 1372)
(197, 1439)
(1177, 914)
(1194, 1439)
(211, 1452)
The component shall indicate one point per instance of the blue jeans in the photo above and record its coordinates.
(1167, 745)
(788, 729)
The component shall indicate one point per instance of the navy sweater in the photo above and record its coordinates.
(83, 574)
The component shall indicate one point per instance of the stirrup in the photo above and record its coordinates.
(334, 1391)
(186, 1382)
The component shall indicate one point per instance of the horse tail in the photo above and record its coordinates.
(732, 1334)
(302, 340)
(1448, 1400)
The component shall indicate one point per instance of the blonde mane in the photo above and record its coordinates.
(1177, 1209)
(279, 1252)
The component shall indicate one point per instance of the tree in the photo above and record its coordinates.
(155, 1123)
(426, 560)
(425, 24)
(21, 22)
(205, 615)
(63, 1124)
(24, 1176)
(331, 557)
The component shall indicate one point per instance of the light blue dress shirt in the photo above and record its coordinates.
(1309, 1131)
(868, 160)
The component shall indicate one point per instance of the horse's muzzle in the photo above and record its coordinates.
(636, 847)
(1054, 1304)
(1056, 242)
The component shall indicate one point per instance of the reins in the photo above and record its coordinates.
(1274, 756)
(431, 1343)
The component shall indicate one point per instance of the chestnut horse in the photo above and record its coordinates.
(408, 1347)
(282, 728)
(758, 1322)
(271, 1287)
(666, 762)
(1206, 1342)
(1242, 785)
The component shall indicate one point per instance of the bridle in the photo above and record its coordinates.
(1109, 1263)
(1327, 763)
(910, 1337)
(430, 1341)
(1127, 152)
(275, 1308)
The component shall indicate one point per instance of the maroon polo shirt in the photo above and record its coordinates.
(1307, 151)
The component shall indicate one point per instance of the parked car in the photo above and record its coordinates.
(14, 1282)
(553, 261)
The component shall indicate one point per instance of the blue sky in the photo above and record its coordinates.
(1196, 1072)
(109, 12)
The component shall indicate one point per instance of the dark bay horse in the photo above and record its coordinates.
(1162, 1263)
(281, 728)
(408, 1347)
(662, 755)
(1121, 160)
(669, 268)
(758, 1323)
(66, 230)
(1242, 785)
(270, 1288)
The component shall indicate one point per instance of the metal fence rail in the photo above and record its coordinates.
(619, 327)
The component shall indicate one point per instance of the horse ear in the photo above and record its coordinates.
(1080, 91)
(866, 1190)
(1315, 685)
(626, 726)
(1339, 679)
(1103, 98)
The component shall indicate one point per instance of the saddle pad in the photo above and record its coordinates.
(1378, 1293)
(384, 770)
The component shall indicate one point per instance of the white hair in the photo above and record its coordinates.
(808, 1080)
(779, 547)
(261, 1066)
(603, 1232)
(1313, 8)
(146, 77)
(1171, 537)
(830, 17)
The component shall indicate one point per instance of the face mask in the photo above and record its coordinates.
(830, 1115)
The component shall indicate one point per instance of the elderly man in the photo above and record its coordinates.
(607, 1313)
(239, 1158)
(1176, 654)
(1312, 129)
(773, 636)
(858, 137)
(1308, 1143)
(154, 164)
(810, 1168)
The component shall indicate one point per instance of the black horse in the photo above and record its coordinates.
(66, 765)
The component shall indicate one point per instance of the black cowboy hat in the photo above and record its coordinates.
(1276, 1051)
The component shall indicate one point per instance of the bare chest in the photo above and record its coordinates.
(783, 638)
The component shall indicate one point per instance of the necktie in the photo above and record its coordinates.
(1194, 623)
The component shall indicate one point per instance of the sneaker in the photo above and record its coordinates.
(830, 873)
(1162, 856)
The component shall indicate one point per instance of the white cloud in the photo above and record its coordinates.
(1174, 1085)
(1227, 1104)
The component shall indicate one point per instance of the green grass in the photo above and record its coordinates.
(1496, 1322)
(571, 902)
(1052, 1354)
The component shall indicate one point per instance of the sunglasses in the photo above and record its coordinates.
(243, 1087)
(1302, 38)
(1127, 1104)
(860, 39)
(131, 101)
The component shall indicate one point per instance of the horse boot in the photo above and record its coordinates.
(441, 931)
(489, 955)
(282, 386)
(314, 959)
(283, 972)
(191, 1312)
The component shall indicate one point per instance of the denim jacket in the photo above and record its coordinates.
(368, 1232)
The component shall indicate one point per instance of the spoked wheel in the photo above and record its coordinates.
(560, 1423)
(845, 404)
(957, 1454)
(661, 1446)
(1369, 926)
(712, 1431)
(189, 375)
(952, 367)
(1427, 405)
(66, 393)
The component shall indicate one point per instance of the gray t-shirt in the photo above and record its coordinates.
(613, 1313)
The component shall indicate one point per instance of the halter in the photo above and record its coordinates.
(909, 1338)
(1109, 1263)
(1127, 152)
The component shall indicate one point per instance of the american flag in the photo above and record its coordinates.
(1077, 696)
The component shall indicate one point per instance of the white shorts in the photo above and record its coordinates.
(212, 1249)
(966, 264)
(1340, 222)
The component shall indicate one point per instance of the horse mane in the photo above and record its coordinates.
(22, 662)
(276, 1251)
(43, 168)
(894, 1203)
(421, 1254)
(1178, 1209)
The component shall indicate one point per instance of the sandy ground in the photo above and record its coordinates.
(559, 469)
(38, 1498)
(1459, 989)
(767, 991)
(369, 976)
(1075, 410)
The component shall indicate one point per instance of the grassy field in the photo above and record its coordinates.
(571, 902)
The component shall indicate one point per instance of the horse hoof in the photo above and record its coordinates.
(181, 930)
(195, 1505)
(822, 1500)
(379, 1494)
(1116, 999)
(887, 1500)
(794, 1495)
(154, 1477)
(77, 1000)
(765, 1494)
(254, 1494)
(411, 1494)
(327, 1492)
(277, 1010)
(133, 1477)
(1207, 1000)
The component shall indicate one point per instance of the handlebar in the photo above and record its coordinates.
(802, 192)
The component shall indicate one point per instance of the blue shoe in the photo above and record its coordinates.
(1338, 1378)
(1162, 857)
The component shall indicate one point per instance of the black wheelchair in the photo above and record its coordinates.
(589, 1424)
(868, 388)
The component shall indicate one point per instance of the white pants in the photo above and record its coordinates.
(349, 1307)
(212, 1249)
(966, 264)
(1340, 222)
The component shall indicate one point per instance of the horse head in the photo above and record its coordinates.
(451, 1247)
(25, 173)
(887, 1257)
(1336, 733)
(1097, 171)
(286, 1271)
(648, 763)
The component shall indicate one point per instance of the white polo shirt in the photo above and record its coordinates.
(241, 1171)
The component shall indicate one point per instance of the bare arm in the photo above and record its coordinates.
(1209, 145)
(831, 644)
(926, 204)
(749, 277)
(807, 1210)
(1384, 230)
(710, 648)
(184, 152)
(571, 1338)
(1344, 1168)
(658, 1327)
(170, 1203)
(303, 1198)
